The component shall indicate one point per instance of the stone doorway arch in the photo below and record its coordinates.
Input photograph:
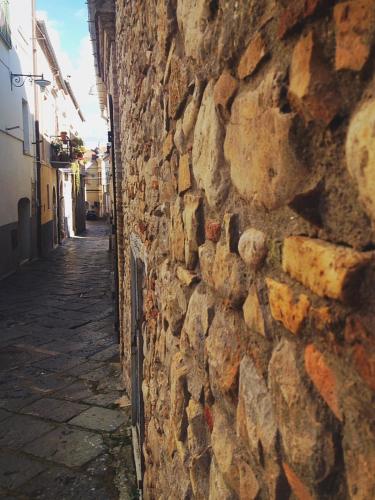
(24, 230)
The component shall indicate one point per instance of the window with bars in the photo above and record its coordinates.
(5, 33)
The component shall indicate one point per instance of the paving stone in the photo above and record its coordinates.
(100, 419)
(68, 446)
(60, 363)
(103, 399)
(17, 469)
(22, 429)
(4, 415)
(78, 391)
(98, 374)
(106, 354)
(54, 409)
(64, 484)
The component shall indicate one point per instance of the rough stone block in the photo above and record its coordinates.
(186, 277)
(253, 314)
(184, 178)
(255, 417)
(206, 261)
(218, 487)
(192, 228)
(207, 156)
(300, 490)
(226, 450)
(252, 247)
(229, 276)
(355, 28)
(328, 270)
(292, 313)
(225, 347)
(178, 85)
(176, 233)
(323, 378)
(360, 154)
(168, 145)
(249, 486)
(293, 13)
(224, 90)
(213, 230)
(307, 442)
(312, 90)
(253, 55)
(264, 167)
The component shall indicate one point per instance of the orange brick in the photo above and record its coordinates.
(328, 270)
(323, 378)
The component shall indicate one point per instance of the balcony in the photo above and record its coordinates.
(65, 150)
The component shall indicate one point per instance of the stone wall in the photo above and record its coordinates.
(248, 167)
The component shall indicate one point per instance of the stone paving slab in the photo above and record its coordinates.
(100, 419)
(22, 429)
(57, 349)
(67, 446)
(54, 409)
(17, 469)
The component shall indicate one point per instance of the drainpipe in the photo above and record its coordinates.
(114, 224)
(37, 139)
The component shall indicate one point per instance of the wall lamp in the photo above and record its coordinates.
(18, 80)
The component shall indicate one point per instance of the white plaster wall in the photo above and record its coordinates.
(17, 170)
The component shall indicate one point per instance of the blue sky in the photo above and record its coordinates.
(68, 29)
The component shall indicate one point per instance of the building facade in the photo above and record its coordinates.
(18, 211)
(242, 141)
(32, 117)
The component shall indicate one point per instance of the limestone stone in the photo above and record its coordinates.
(354, 27)
(307, 443)
(176, 233)
(328, 270)
(360, 154)
(323, 378)
(226, 450)
(168, 145)
(300, 490)
(178, 397)
(225, 346)
(218, 487)
(264, 166)
(224, 90)
(312, 90)
(184, 178)
(255, 416)
(192, 228)
(249, 486)
(198, 318)
(292, 313)
(206, 261)
(192, 18)
(192, 110)
(207, 156)
(252, 247)
(186, 277)
(199, 474)
(229, 276)
(197, 432)
(294, 13)
(178, 84)
(253, 314)
(253, 55)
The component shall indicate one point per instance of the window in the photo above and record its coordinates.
(48, 202)
(4, 23)
(26, 127)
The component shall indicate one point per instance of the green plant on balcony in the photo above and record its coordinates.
(78, 149)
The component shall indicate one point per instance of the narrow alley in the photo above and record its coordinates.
(65, 418)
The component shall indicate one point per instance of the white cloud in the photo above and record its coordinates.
(82, 72)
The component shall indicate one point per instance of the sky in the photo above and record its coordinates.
(68, 30)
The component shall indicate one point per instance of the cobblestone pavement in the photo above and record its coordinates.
(62, 434)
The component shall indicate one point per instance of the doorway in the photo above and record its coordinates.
(24, 230)
(55, 219)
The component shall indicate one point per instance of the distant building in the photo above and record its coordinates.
(37, 106)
